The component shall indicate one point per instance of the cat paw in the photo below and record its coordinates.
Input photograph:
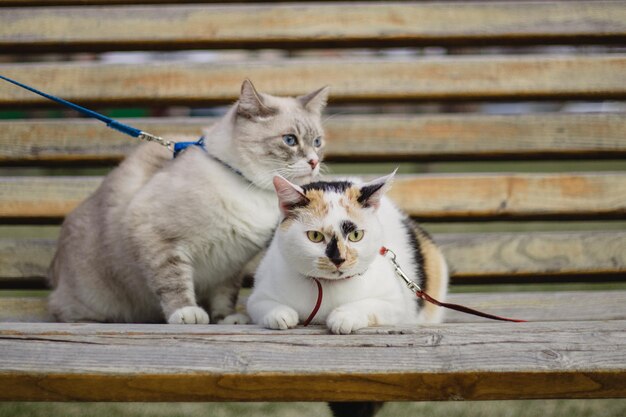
(345, 322)
(189, 315)
(280, 318)
(237, 318)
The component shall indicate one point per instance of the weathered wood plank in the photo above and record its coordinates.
(535, 254)
(38, 3)
(430, 197)
(372, 137)
(60, 29)
(511, 196)
(56, 362)
(25, 260)
(532, 306)
(46, 198)
(542, 306)
(492, 256)
(352, 80)
(24, 309)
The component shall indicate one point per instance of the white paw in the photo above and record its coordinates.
(280, 318)
(237, 318)
(189, 315)
(345, 322)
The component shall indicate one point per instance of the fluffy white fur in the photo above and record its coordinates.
(284, 294)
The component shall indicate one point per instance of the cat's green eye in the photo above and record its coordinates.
(315, 236)
(317, 142)
(356, 235)
(290, 140)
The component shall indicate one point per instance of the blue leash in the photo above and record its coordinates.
(175, 147)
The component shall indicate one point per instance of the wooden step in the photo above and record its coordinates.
(349, 138)
(429, 197)
(487, 361)
(360, 80)
(516, 257)
(179, 27)
(531, 306)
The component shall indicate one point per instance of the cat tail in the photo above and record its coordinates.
(435, 276)
(355, 408)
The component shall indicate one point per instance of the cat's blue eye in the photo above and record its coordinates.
(290, 140)
(317, 142)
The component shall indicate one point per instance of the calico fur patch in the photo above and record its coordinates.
(316, 207)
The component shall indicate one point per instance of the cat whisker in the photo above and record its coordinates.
(332, 116)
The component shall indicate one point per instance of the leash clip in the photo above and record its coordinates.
(409, 283)
(152, 138)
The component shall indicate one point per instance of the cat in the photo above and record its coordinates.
(332, 232)
(164, 239)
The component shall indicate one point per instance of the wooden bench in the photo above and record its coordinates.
(389, 105)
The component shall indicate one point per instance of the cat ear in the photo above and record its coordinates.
(373, 191)
(315, 101)
(289, 195)
(251, 103)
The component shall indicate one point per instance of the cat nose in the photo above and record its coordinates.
(313, 163)
(337, 261)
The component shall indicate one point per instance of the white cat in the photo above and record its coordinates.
(332, 232)
(164, 239)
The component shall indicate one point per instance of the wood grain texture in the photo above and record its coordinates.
(522, 77)
(430, 197)
(504, 196)
(532, 306)
(50, 197)
(24, 309)
(536, 254)
(37, 3)
(349, 138)
(492, 256)
(178, 27)
(25, 260)
(58, 362)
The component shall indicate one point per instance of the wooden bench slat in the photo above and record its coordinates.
(537, 255)
(38, 3)
(532, 306)
(533, 254)
(24, 309)
(308, 25)
(350, 138)
(487, 361)
(502, 196)
(352, 80)
(429, 197)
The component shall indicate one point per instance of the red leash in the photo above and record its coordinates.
(418, 291)
(421, 294)
(463, 309)
(318, 303)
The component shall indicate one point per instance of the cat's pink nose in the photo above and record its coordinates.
(314, 163)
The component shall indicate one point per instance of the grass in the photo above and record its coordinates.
(544, 408)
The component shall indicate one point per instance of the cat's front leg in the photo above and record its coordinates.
(173, 283)
(350, 317)
(223, 303)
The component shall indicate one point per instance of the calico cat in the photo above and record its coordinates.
(333, 231)
(164, 239)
